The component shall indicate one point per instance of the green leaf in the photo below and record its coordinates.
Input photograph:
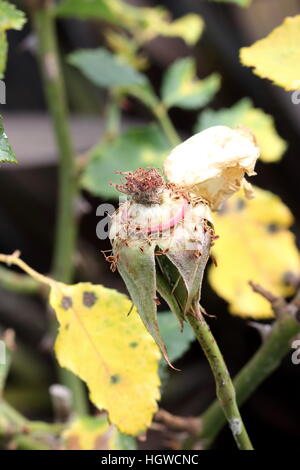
(10, 17)
(3, 53)
(105, 69)
(188, 27)
(272, 146)
(138, 147)
(241, 3)
(86, 9)
(6, 153)
(177, 342)
(182, 88)
(144, 23)
(144, 93)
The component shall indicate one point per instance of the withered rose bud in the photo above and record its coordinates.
(164, 231)
(145, 231)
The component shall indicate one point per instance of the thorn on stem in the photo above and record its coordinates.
(264, 292)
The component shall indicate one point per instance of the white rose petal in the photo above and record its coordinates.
(213, 163)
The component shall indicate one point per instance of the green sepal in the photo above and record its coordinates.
(136, 265)
(191, 266)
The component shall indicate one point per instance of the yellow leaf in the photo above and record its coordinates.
(277, 56)
(126, 48)
(255, 244)
(147, 23)
(110, 351)
(95, 433)
(188, 27)
(271, 145)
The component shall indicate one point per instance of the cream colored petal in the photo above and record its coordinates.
(213, 163)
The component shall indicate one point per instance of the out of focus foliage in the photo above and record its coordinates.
(143, 22)
(181, 87)
(277, 57)
(243, 113)
(255, 245)
(95, 433)
(138, 147)
(10, 18)
(6, 152)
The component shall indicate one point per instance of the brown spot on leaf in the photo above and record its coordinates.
(89, 299)
(66, 302)
(115, 379)
(273, 227)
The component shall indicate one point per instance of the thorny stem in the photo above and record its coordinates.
(176, 299)
(261, 365)
(53, 81)
(224, 387)
(66, 227)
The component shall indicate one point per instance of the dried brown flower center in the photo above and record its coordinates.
(144, 185)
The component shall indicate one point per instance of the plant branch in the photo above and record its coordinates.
(53, 81)
(19, 283)
(25, 434)
(161, 114)
(267, 359)
(66, 226)
(224, 387)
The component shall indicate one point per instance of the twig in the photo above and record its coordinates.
(162, 116)
(16, 282)
(54, 86)
(178, 423)
(264, 292)
(22, 433)
(277, 303)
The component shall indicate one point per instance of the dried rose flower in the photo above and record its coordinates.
(164, 231)
(213, 163)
